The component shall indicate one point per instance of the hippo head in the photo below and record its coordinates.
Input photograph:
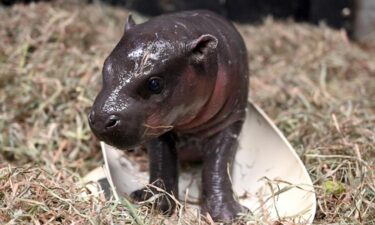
(153, 80)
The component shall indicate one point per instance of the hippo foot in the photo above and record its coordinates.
(226, 212)
(164, 203)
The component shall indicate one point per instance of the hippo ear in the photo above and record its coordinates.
(201, 47)
(129, 22)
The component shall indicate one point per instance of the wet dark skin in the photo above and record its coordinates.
(178, 84)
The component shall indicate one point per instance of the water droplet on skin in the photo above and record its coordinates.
(142, 56)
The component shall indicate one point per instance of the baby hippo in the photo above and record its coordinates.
(178, 84)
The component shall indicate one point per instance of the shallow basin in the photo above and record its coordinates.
(268, 176)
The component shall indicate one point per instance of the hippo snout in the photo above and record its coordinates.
(103, 124)
(115, 129)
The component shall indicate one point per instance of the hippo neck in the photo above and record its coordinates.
(212, 107)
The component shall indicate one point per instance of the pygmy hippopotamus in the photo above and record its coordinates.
(178, 85)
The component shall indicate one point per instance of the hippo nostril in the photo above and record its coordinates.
(112, 122)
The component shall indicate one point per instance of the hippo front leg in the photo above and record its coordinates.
(218, 199)
(163, 173)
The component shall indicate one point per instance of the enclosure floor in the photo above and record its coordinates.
(317, 86)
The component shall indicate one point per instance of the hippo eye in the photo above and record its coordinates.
(155, 85)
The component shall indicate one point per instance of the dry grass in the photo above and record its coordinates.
(320, 90)
(317, 86)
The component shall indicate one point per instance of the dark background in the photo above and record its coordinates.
(335, 13)
(357, 17)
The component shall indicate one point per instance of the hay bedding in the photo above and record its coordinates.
(317, 86)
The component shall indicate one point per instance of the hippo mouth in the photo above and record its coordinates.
(121, 142)
(154, 131)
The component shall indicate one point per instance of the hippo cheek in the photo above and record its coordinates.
(156, 125)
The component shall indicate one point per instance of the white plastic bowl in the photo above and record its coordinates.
(268, 176)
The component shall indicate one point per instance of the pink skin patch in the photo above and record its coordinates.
(212, 106)
(185, 117)
(153, 126)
